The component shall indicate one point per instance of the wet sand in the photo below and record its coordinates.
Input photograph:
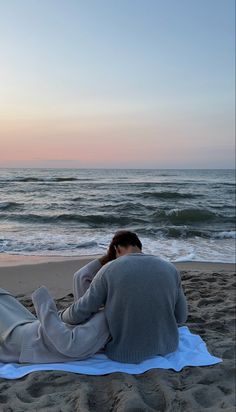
(210, 290)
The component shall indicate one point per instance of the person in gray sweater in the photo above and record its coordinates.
(143, 302)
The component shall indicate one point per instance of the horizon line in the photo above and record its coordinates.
(118, 168)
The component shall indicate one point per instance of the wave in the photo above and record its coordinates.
(127, 207)
(64, 179)
(226, 235)
(106, 219)
(9, 205)
(94, 220)
(187, 232)
(76, 199)
(219, 184)
(90, 244)
(190, 215)
(184, 216)
(183, 232)
(166, 174)
(27, 179)
(45, 180)
(169, 195)
(127, 213)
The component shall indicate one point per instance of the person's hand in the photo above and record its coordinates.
(110, 255)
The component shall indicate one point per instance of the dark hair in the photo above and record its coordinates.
(126, 238)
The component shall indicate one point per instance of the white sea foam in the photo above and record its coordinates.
(227, 235)
(186, 258)
(64, 244)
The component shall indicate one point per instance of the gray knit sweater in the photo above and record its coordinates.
(144, 302)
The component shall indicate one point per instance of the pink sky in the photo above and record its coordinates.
(106, 86)
(114, 140)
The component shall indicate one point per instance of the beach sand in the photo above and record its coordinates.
(210, 290)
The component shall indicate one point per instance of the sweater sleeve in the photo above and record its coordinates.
(83, 277)
(181, 310)
(89, 303)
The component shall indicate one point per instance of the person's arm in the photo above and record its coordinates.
(88, 304)
(83, 277)
(88, 271)
(181, 309)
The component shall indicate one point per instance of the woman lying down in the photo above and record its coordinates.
(25, 338)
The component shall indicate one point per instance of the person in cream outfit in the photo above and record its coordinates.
(25, 338)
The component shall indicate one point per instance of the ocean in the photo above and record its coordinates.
(182, 215)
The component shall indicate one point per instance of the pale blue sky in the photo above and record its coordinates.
(139, 83)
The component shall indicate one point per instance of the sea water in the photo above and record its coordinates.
(178, 214)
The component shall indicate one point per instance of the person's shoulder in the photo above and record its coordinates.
(142, 259)
(105, 268)
(159, 261)
(113, 266)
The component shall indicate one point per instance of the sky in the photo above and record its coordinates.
(123, 84)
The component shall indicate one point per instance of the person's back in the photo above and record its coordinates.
(144, 303)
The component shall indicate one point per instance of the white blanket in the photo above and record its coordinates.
(192, 351)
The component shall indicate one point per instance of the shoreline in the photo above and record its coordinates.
(22, 274)
(7, 259)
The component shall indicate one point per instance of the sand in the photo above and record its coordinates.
(210, 290)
